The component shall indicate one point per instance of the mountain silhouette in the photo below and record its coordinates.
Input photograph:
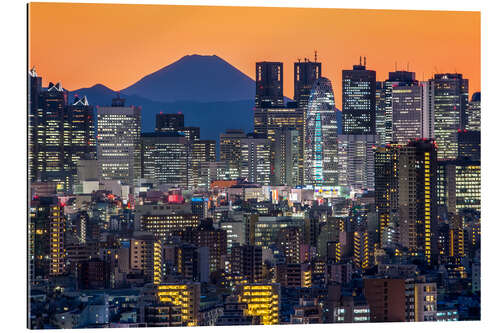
(195, 78)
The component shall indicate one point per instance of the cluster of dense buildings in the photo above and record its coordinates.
(306, 220)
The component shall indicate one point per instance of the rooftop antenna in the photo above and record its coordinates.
(315, 56)
(298, 59)
(360, 60)
(364, 58)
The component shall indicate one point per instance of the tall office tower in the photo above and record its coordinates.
(305, 75)
(380, 112)
(396, 79)
(53, 137)
(230, 147)
(289, 241)
(119, 142)
(459, 185)
(164, 158)
(34, 90)
(321, 141)
(386, 192)
(386, 298)
(43, 215)
(82, 129)
(201, 151)
(286, 152)
(268, 84)
(417, 199)
(356, 161)
(427, 109)
(407, 113)
(451, 94)
(255, 163)
(166, 122)
(269, 122)
(184, 295)
(359, 87)
(146, 257)
(206, 235)
(474, 113)
(469, 145)
(263, 301)
(246, 260)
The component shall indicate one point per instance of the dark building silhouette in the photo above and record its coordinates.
(469, 145)
(358, 100)
(246, 260)
(268, 84)
(305, 75)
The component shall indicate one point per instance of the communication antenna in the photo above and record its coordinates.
(360, 60)
(298, 59)
(315, 56)
(364, 61)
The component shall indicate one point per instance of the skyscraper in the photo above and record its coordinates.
(305, 75)
(118, 142)
(286, 151)
(320, 158)
(356, 161)
(255, 163)
(358, 100)
(200, 151)
(417, 198)
(82, 129)
(451, 93)
(474, 113)
(407, 113)
(386, 191)
(34, 89)
(396, 79)
(164, 158)
(230, 148)
(268, 84)
(53, 137)
(268, 122)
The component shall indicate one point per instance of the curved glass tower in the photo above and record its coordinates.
(320, 154)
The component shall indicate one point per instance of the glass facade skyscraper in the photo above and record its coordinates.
(320, 158)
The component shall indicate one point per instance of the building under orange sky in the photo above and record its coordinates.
(116, 45)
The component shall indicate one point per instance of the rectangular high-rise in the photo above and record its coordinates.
(200, 151)
(305, 74)
(359, 100)
(356, 163)
(417, 198)
(255, 164)
(53, 137)
(451, 94)
(164, 158)
(118, 142)
(268, 84)
(270, 123)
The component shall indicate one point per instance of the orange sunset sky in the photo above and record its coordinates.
(116, 45)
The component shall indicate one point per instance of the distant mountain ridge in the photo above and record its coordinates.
(195, 78)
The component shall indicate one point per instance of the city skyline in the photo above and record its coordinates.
(145, 43)
(305, 215)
